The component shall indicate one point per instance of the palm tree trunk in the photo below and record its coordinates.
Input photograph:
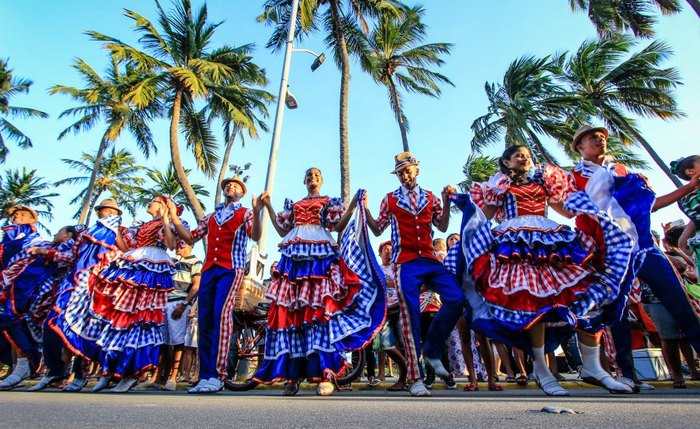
(177, 161)
(695, 4)
(93, 202)
(622, 123)
(399, 114)
(224, 164)
(540, 147)
(344, 95)
(86, 209)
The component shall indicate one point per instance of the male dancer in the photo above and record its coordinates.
(650, 264)
(412, 211)
(228, 230)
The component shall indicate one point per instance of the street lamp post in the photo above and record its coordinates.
(279, 115)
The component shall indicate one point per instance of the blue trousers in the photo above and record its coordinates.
(432, 274)
(217, 290)
(666, 284)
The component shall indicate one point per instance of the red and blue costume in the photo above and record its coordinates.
(71, 322)
(324, 299)
(529, 269)
(411, 215)
(26, 285)
(228, 230)
(129, 297)
(628, 196)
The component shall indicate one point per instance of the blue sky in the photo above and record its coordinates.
(41, 39)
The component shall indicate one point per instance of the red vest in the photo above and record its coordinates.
(222, 247)
(415, 238)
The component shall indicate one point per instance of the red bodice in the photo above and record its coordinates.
(308, 211)
(530, 199)
(148, 233)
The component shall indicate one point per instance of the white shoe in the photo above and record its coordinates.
(211, 385)
(101, 384)
(44, 383)
(606, 381)
(76, 385)
(170, 385)
(418, 389)
(124, 385)
(437, 366)
(550, 386)
(20, 373)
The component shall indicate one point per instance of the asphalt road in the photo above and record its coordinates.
(663, 408)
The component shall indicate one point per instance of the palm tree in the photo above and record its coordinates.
(105, 100)
(187, 68)
(639, 16)
(608, 86)
(249, 108)
(478, 168)
(11, 86)
(337, 18)
(394, 56)
(28, 189)
(526, 105)
(166, 183)
(118, 174)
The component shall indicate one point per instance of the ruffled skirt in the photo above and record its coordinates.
(531, 269)
(130, 297)
(322, 305)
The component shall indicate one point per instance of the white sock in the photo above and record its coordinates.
(539, 363)
(590, 356)
(22, 367)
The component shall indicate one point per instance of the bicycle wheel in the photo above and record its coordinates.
(353, 372)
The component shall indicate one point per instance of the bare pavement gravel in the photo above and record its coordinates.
(663, 408)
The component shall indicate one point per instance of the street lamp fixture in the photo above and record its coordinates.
(290, 100)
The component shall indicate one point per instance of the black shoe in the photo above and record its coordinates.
(429, 380)
(450, 382)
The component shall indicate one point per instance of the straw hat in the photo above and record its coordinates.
(585, 130)
(403, 160)
(31, 211)
(109, 203)
(234, 179)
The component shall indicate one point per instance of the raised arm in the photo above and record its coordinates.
(167, 232)
(347, 215)
(258, 206)
(559, 208)
(447, 192)
(281, 230)
(180, 229)
(672, 197)
(374, 225)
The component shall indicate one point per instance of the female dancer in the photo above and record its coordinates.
(130, 295)
(689, 168)
(320, 307)
(531, 272)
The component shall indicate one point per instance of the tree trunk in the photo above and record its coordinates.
(695, 4)
(85, 209)
(399, 114)
(177, 161)
(93, 203)
(540, 147)
(622, 123)
(344, 96)
(224, 164)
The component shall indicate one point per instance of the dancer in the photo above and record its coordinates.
(26, 284)
(69, 320)
(531, 272)
(412, 212)
(630, 199)
(129, 296)
(228, 230)
(322, 304)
